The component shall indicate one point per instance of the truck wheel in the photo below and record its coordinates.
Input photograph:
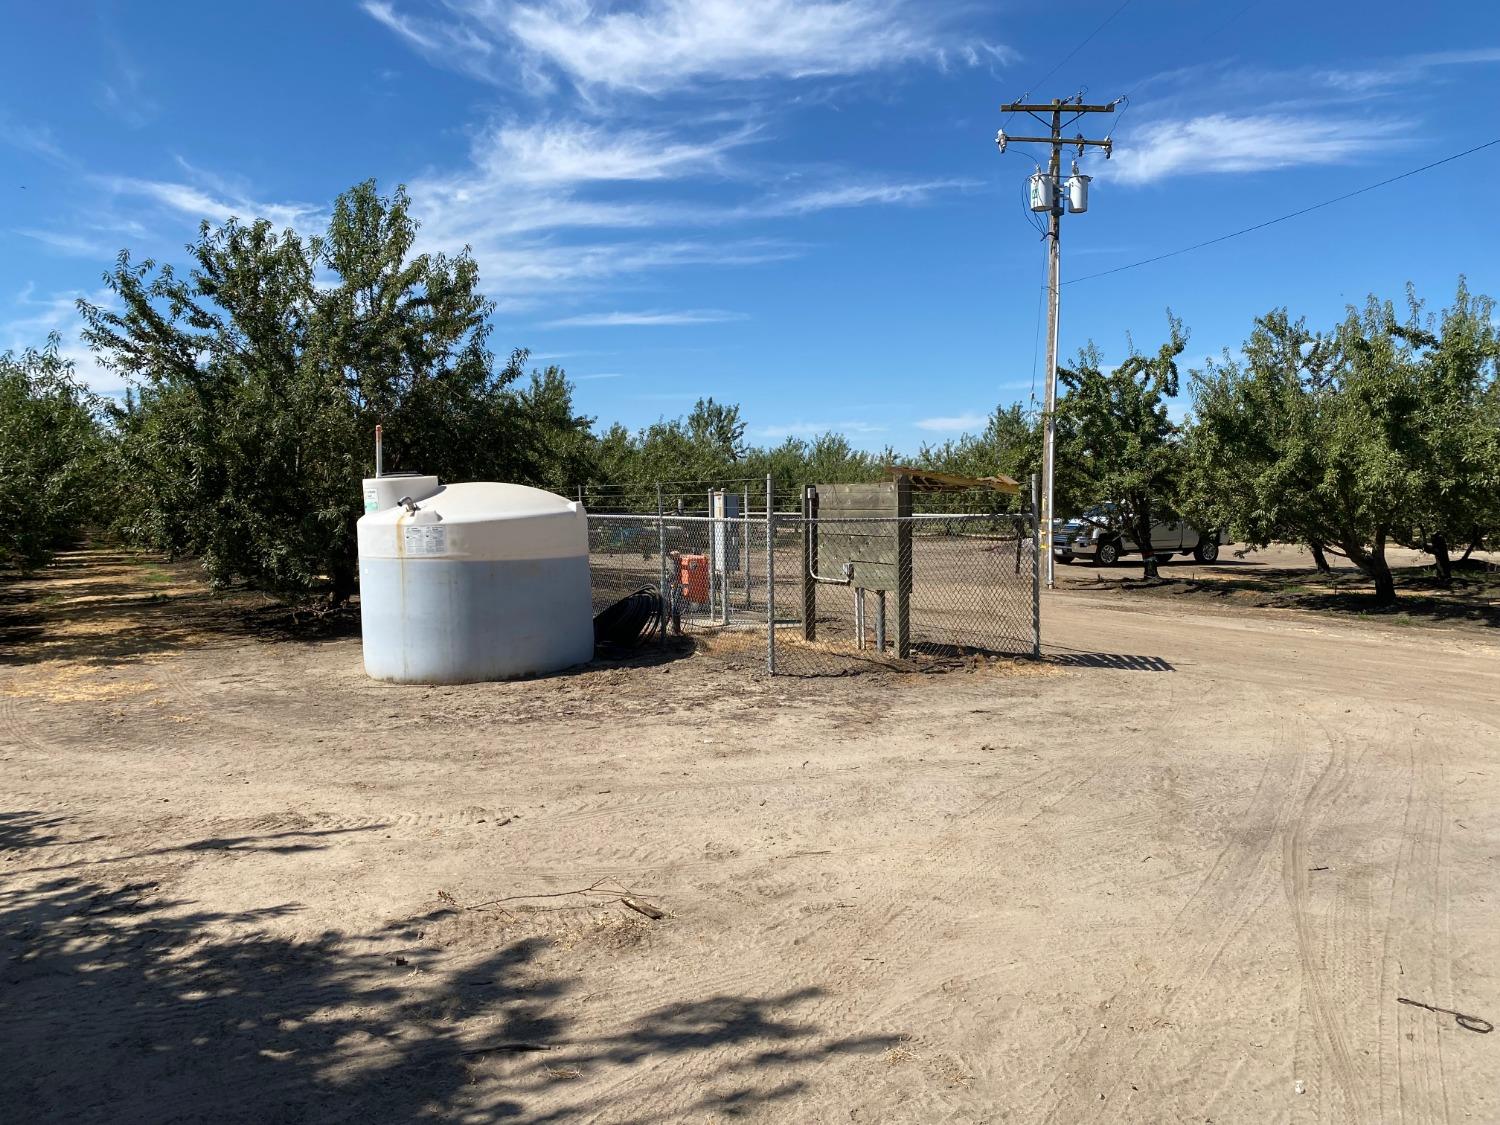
(1108, 554)
(1206, 552)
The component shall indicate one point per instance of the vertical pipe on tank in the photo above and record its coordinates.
(379, 461)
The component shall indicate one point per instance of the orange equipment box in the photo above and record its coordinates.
(692, 575)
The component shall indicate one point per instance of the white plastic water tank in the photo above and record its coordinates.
(476, 582)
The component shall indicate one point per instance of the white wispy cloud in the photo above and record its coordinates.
(70, 243)
(524, 179)
(597, 375)
(123, 90)
(1220, 142)
(575, 152)
(858, 195)
(197, 203)
(651, 318)
(525, 186)
(29, 137)
(953, 423)
(664, 45)
(668, 44)
(32, 319)
(445, 42)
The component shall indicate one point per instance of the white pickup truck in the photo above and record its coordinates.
(1097, 535)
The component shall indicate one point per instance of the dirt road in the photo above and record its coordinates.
(1180, 872)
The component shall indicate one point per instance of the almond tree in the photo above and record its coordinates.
(1350, 439)
(1454, 444)
(259, 374)
(54, 455)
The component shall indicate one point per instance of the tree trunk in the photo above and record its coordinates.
(343, 584)
(1371, 562)
(1143, 541)
(1439, 547)
(1320, 560)
(1380, 570)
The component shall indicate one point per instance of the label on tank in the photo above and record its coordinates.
(372, 500)
(430, 539)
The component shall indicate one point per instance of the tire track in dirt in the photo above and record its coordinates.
(1413, 1084)
(1240, 879)
(1330, 957)
(888, 925)
(1317, 1000)
(18, 724)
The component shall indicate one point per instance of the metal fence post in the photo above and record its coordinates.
(1036, 577)
(770, 578)
(713, 561)
(745, 541)
(661, 556)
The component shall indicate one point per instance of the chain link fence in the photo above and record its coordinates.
(912, 592)
(827, 596)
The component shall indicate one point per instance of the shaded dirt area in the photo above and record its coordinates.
(1283, 576)
(1181, 870)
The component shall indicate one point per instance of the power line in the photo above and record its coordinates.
(1087, 40)
(1291, 215)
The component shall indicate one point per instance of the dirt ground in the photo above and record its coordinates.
(1180, 871)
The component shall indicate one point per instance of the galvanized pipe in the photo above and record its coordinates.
(661, 554)
(745, 541)
(770, 578)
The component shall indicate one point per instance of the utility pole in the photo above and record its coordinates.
(1047, 194)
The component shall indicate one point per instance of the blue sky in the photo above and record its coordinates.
(796, 206)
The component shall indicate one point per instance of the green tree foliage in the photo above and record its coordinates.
(54, 456)
(1255, 455)
(260, 374)
(1005, 446)
(827, 459)
(1116, 441)
(707, 447)
(1378, 430)
(1454, 446)
(1009, 445)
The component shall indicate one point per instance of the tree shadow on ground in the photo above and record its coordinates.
(290, 842)
(1473, 594)
(125, 1004)
(111, 612)
(101, 608)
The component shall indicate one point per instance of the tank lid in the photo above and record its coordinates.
(477, 520)
(485, 500)
(489, 500)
